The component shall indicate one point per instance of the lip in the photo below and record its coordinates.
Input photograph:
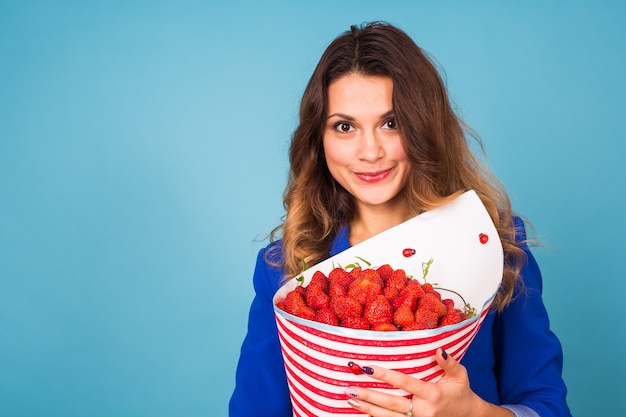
(373, 177)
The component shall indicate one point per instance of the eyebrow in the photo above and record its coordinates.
(348, 117)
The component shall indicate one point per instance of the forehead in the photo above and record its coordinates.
(362, 94)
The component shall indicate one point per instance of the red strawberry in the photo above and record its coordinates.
(397, 279)
(413, 326)
(300, 290)
(336, 289)
(356, 323)
(294, 302)
(426, 319)
(369, 275)
(316, 298)
(409, 296)
(379, 311)
(449, 302)
(395, 283)
(384, 327)
(306, 312)
(427, 287)
(366, 286)
(366, 293)
(345, 306)
(390, 293)
(319, 279)
(326, 316)
(354, 272)
(452, 317)
(341, 276)
(384, 271)
(430, 301)
(403, 316)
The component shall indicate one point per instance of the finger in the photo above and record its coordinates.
(395, 378)
(389, 407)
(451, 367)
(378, 398)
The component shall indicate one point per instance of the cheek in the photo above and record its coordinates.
(334, 155)
(397, 152)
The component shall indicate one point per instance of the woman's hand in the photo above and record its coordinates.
(450, 396)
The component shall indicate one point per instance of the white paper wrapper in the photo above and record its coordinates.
(317, 355)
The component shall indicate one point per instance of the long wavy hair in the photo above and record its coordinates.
(435, 140)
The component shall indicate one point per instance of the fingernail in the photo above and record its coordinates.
(368, 370)
(444, 354)
(351, 392)
(354, 403)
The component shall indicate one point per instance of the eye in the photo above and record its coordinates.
(343, 127)
(390, 124)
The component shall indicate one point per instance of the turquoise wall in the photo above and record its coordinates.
(143, 153)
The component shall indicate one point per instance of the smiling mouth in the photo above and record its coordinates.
(372, 177)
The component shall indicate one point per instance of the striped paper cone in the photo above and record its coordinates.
(467, 257)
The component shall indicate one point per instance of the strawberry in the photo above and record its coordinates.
(306, 312)
(384, 271)
(462, 314)
(413, 326)
(336, 289)
(390, 293)
(319, 279)
(409, 296)
(403, 316)
(369, 275)
(300, 290)
(346, 306)
(340, 276)
(397, 279)
(395, 283)
(355, 323)
(451, 317)
(294, 302)
(316, 297)
(430, 301)
(378, 311)
(384, 327)
(366, 286)
(354, 272)
(426, 319)
(427, 287)
(326, 316)
(449, 302)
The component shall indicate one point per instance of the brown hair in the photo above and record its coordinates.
(442, 164)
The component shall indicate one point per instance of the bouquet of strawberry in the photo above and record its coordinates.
(331, 317)
(379, 299)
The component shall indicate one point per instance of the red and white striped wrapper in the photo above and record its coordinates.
(316, 355)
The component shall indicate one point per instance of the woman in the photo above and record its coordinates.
(377, 144)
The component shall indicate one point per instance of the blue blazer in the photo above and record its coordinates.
(514, 359)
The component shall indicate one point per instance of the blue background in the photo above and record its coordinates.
(143, 158)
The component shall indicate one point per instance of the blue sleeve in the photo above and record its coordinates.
(530, 357)
(261, 382)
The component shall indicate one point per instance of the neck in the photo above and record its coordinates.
(372, 220)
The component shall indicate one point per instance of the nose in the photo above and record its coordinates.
(370, 146)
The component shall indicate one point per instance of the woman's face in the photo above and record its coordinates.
(362, 143)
